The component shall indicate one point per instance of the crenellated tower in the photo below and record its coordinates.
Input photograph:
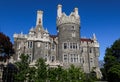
(68, 36)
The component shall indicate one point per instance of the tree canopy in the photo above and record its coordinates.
(44, 73)
(6, 47)
(112, 62)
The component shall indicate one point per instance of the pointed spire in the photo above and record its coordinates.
(46, 30)
(94, 37)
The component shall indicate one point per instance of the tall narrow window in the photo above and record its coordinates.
(31, 44)
(28, 44)
(65, 45)
(74, 45)
(53, 58)
(75, 57)
(70, 45)
(65, 58)
(91, 60)
(90, 50)
(53, 46)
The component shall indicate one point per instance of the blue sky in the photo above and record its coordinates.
(101, 17)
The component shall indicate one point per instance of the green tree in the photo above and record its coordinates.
(6, 47)
(41, 70)
(75, 74)
(23, 69)
(31, 74)
(112, 62)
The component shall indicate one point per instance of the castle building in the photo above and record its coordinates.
(65, 48)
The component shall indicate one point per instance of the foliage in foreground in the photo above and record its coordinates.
(111, 69)
(43, 73)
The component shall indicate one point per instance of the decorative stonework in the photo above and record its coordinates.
(68, 19)
(64, 49)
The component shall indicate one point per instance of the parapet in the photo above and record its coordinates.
(62, 18)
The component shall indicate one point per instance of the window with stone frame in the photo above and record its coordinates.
(53, 46)
(73, 28)
(74, 45)
(30, 44)
(75, 57)
(65, 58)
(90, 50)
(53, 58)
(65, 45)
(91, 60)
(70, 45)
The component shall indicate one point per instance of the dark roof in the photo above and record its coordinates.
(53, 36)
(86, 40)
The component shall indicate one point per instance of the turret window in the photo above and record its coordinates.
(73, 28)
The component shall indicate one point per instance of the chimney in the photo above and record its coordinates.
(59, 10)
(39, 18)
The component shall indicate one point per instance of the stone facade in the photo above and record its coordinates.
(65, 48)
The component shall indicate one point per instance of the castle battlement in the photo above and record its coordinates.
(63, 49)
(62, 18)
